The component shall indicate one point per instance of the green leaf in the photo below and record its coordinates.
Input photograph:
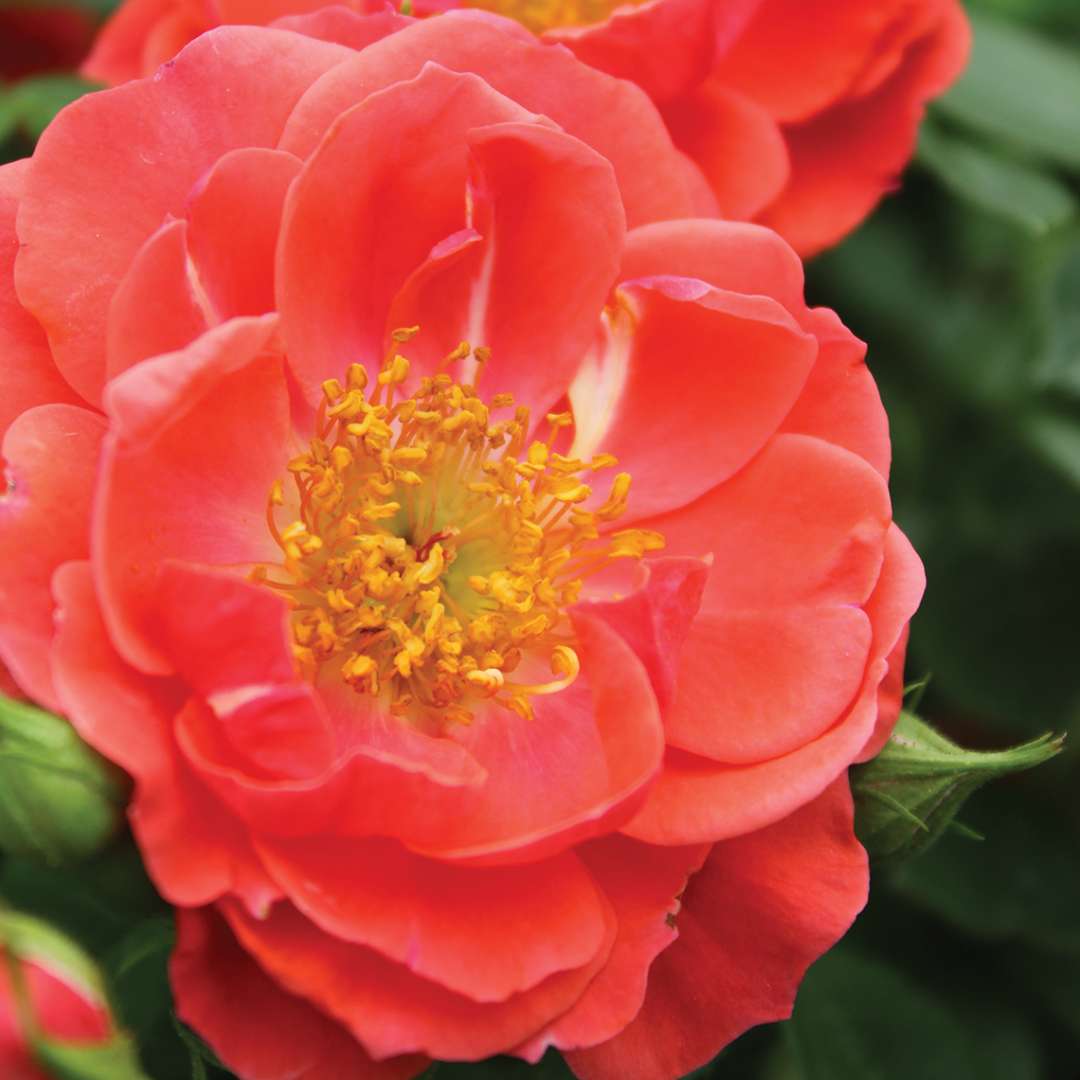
(910, 793)
(1056, 438)
(1021, 88)
(857, 1019)
(994, 183)
(59, 799)
(30, 104)
(1022, 885)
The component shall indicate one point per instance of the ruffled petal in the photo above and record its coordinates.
(256, 1028)
(197, 438)
(759, 912)
(118, 52)
(755, 685)
(30, 377)
(656, 616)
(890, 607)
(550, 261)
(388, 1008)
(643, 884)
(653, 177)
(691, 384)
(235, 218)
(234, 87)
(803, 523)
(193, 851)
(156, 307)
(796, 58)
(344, 27)
(664, 47)
(485, 932)
(402, 157)
(51, 453)
(735, 142)
(844, 160)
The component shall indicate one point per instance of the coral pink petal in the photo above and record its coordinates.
(759, 912)
(503, 790)
(755, 685)
(697, 800)
(577, 769)
(643, 884)
(344, 27)
(656, 616)
(390, 1009)
(796, 58)
(235, 217)
(840, 402)
(403, 158)
(197, 439)
(803, 523)
(653, 178)
(234, 87)
(485, 932)
(30, 376)
(890, 607)
(156, 308)
(731, 255)
(117, 55)
(51, 453)
(692, 383)
(193, 852)
(550, 261)
(242, 667)
(735, 142)
(665, 48)
(256, 1028)
(436, 297)
(843, 161)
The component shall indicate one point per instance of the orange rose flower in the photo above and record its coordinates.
(483, 566)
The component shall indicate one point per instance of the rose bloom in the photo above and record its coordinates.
(34, 40)
(483, 566)
(801, 115)
(62, 1009)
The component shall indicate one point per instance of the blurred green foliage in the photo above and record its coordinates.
(966, 284)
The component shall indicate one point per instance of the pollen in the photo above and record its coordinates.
(541, 15)
(431, 543)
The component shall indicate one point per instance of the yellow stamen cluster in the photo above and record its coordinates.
(541, 15)
(433, 550)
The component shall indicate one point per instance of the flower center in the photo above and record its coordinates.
(435, 549)
(541, 15)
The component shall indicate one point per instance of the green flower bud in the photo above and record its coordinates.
(25, 940)
(910, 793)
(59, 799)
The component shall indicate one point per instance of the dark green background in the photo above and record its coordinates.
(966, 285)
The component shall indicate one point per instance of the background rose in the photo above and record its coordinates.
(185, 677)
(801, 116)
(35, 39)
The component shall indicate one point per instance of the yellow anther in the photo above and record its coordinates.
(395, 372)
(392, 493)
(405, 333)
(433, 565)
(489, 679)
(381, 512)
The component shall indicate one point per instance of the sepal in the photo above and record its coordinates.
(908, 795)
